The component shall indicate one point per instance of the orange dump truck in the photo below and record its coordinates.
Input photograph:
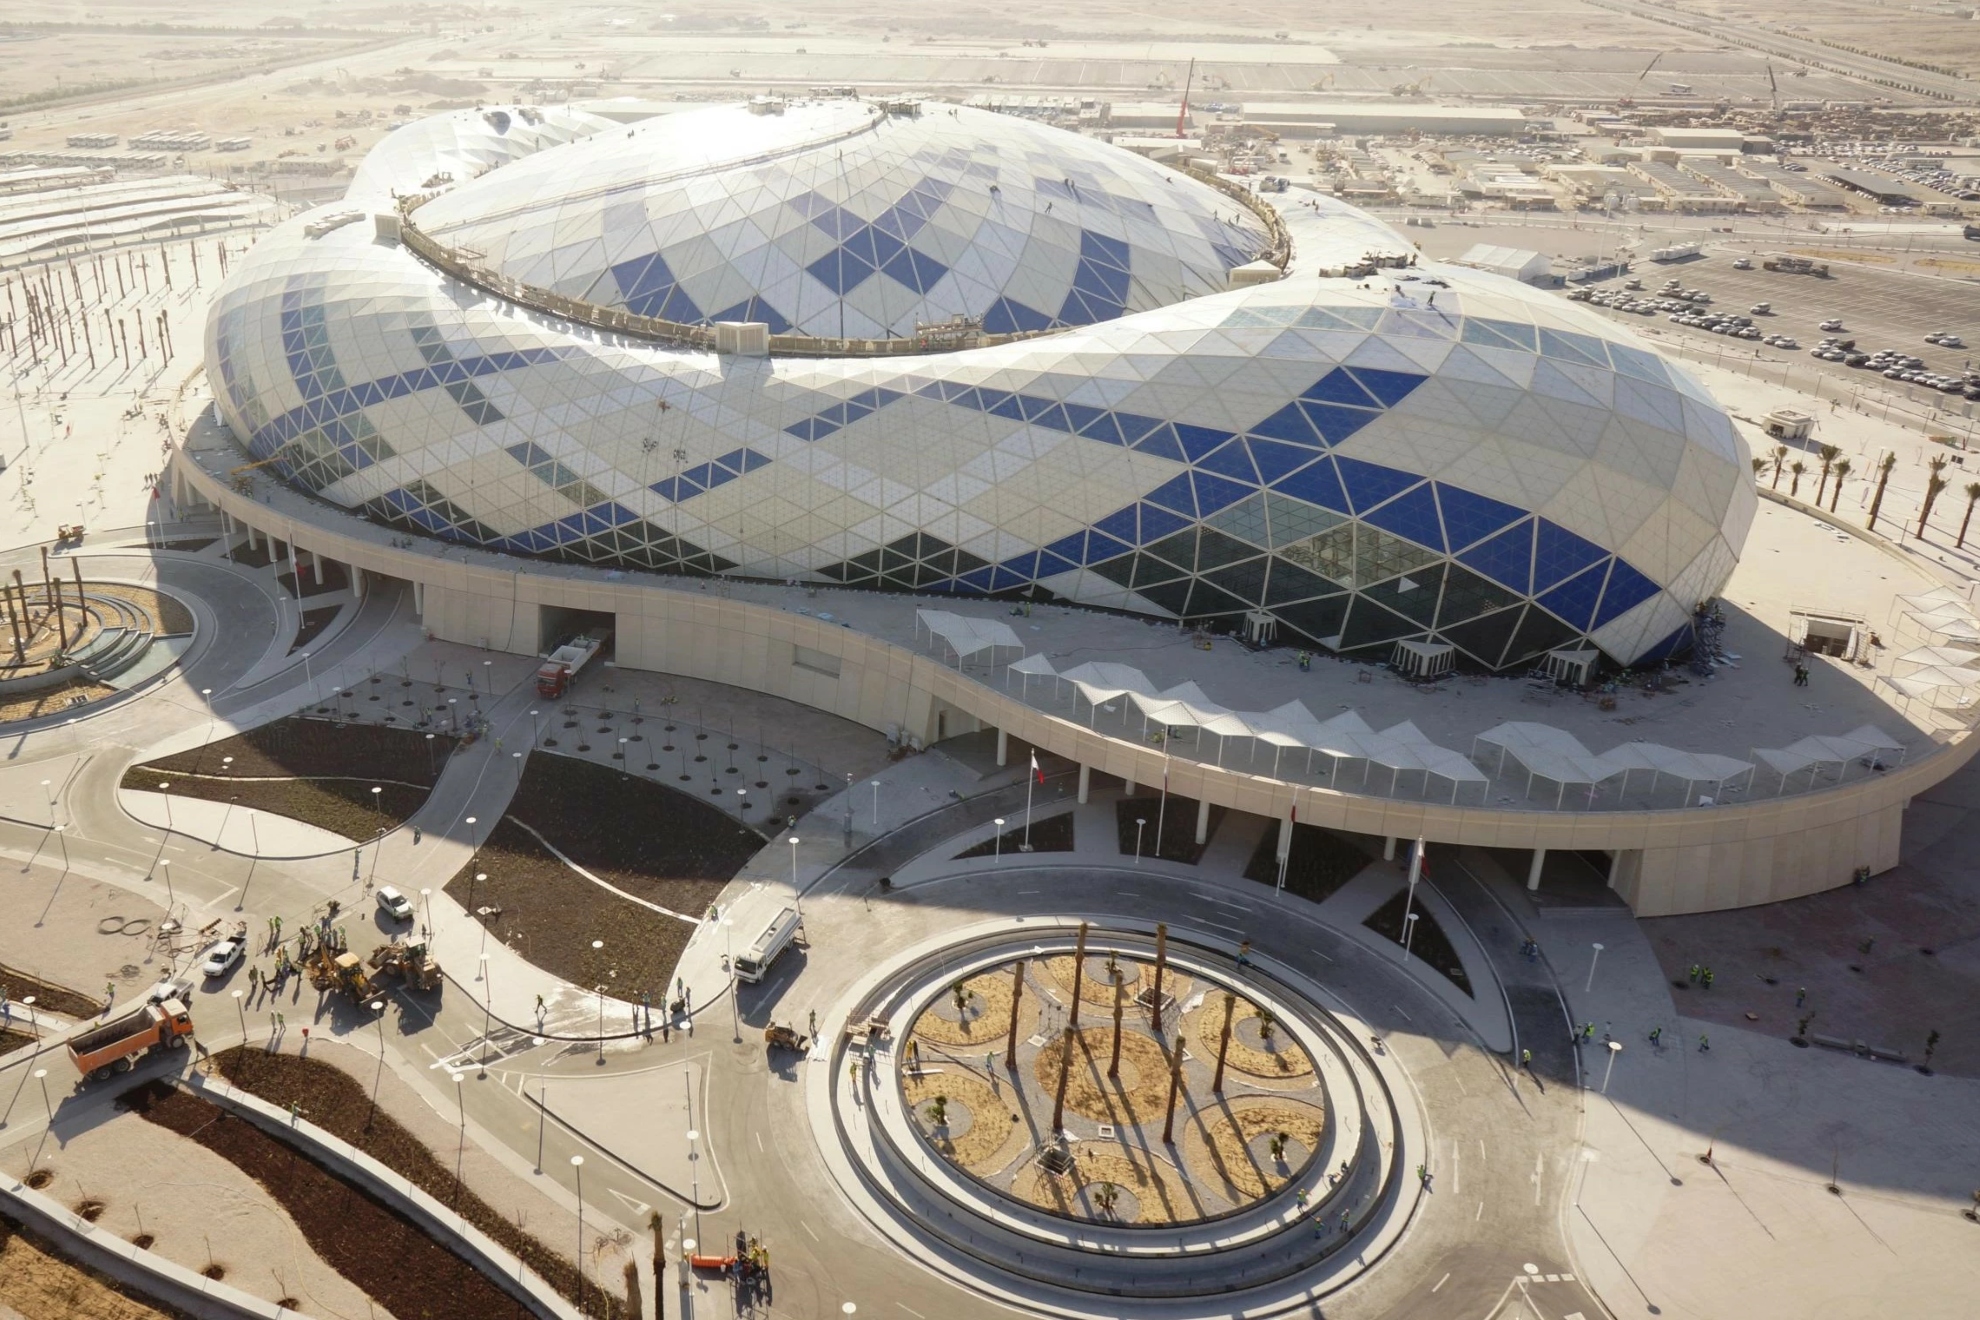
(116, 1046)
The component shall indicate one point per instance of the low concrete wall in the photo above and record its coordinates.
(1698, 860)
(435, 1219)
(151, 1275)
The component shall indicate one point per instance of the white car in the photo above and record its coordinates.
(1830, 325)
(1742, 263)
(222, 958)
(394, 904)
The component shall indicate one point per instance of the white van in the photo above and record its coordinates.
(776, 937)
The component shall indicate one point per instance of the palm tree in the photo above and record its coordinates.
(1972, 498)
(1759, 466)
(1828, 454)
(1841, 471)
(1780, 457)
(1884, 466)
(1105, 1197)
(1933, 485)
(1797, 468)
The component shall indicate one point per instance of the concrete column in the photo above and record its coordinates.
(419, 599)
(1202, 820)
(1533, 872)
(1003, 747)
(1285, 838)
(1085, 782)
(357, 580)
(1389, 849)
(316, 563)
(1127, 786)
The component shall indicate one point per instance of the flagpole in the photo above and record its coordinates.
(1415, 871)
(1162, 811)
(1285, 857)
(1030, 782)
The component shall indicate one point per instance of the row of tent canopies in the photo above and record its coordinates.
(1560, 758)
(1545, 752)
(1345, 738)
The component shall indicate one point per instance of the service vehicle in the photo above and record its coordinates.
(1788, 264)
(1760, 309)
(116, 1046)
(1831, 324)
(394, 904)
(223, 957)
(561, 667)
(1742, 263)
(777, 936)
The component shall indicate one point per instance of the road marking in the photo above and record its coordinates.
(1481, 1213)
(1539, 1169)
(911, 1311)
(1481, 1148)
(807, 1228)
(759, 1141)
(1406, 1017)
(1454, 1168)
(1235, 930)
(1441, 1282)
(1128, 893)
(1031, 891)
(639, 1208)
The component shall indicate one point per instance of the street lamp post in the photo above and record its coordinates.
(378, 1006)
(48, 791)
(426, 895)
(487, 1013)
(1591, 969)
(793, 841)
(577, 1171)
(876, 804)
(1409, 930)
(535, 734)
(596, 946)
(240, 1012)
(1140, 823)
(431, 772)
(460, 1151)
(1615, 1048)
(473, 845)
(166, 789)
(694, 1174)
(481, 878)
(997, 843)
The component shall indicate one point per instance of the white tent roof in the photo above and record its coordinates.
(1036, 665)
(1692, 767)
(1939, 655)
(1550, 753)
(966, 636)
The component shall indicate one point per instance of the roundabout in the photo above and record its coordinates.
(1117, 1108)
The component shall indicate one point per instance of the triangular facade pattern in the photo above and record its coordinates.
(1431, 454)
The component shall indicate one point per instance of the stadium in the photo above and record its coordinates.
(922, 348)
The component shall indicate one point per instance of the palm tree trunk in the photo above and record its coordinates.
(1964, 523)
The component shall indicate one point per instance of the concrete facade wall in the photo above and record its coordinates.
(1674, 862)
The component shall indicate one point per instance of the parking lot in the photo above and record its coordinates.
(1879, 310)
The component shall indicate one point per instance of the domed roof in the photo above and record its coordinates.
(838, 220)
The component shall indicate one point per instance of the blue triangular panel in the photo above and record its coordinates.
(1507, 558)
(1469, 517)
(1369, 484)
(1413, 515)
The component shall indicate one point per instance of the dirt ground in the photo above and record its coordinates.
(54, 699)
(334, 1098)
(310, 770)
(198, 1209)
(665, 847)
(377, 1249)
(39, 1284)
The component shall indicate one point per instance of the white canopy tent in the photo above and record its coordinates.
(1547, 753)
(1032, 666)
(1938, 655)
(1692, 767)
(966, 636)
(1866, 742)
